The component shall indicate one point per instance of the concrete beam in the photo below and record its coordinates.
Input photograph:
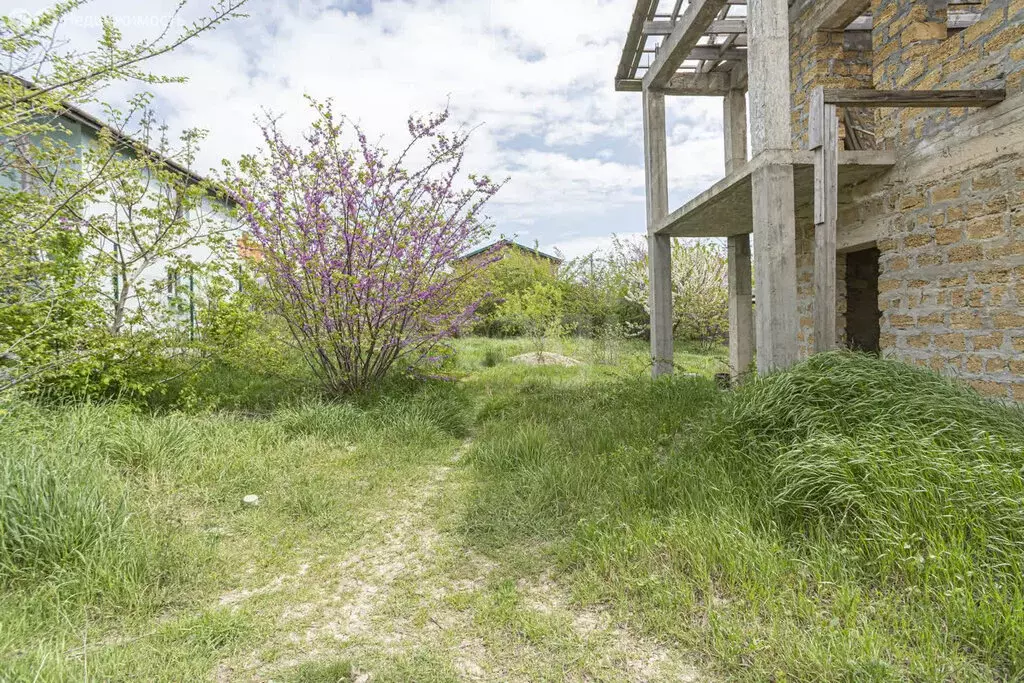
(830, 15)
(675, 48)
(734, 119)
(709, 84)
(659, 247)
(741, 307)
(720, 26)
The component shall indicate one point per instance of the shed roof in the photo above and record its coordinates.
(509, 243)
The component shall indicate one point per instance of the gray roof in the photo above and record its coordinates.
(510, 243)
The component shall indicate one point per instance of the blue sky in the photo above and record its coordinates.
(533, 77)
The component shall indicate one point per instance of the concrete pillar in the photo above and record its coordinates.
(772, 183)
(741, 308)
(741, 312)
(659, 247)
(659, 262)
(734, 124)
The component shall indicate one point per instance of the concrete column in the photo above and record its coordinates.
(659, 262)
(734, 124)
(741, 312)
(772, 183)
(741, 308)
(659, 247)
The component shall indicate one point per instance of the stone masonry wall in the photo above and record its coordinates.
(949, 219)
(951, 287)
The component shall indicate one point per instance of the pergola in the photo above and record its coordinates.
(729, 49)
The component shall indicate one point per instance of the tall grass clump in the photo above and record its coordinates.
(68, 521)
(851, 518)
(913, 479)
(49, 526)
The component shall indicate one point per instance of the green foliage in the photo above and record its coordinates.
(538, 311)
(700, 294)
(81, 226)
(511, 276)
(598, 303)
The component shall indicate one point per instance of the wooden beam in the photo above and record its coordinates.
(913, 98)
(674, 49)
(659, 249)
(824, 141)
(643, 11)
(684, 84)
(720, 26)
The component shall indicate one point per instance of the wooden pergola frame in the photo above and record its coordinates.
(727, 48)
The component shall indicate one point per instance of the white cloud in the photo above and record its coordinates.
(533, 76)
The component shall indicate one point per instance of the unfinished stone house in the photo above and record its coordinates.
(884, 187)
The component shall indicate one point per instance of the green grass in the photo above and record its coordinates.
(120, 529)
(851, 519)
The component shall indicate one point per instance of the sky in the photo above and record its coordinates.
(532, 78)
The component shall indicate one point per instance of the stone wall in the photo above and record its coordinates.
(951, 287)
(830, 59)
(914, 50)
(949, 219)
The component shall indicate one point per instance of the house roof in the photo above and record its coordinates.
(509, 243)
(79, 115)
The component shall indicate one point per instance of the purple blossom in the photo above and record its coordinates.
(358, 248)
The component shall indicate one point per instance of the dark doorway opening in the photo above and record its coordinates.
(862, 314)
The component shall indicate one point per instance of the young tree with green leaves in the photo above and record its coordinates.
(48, 184)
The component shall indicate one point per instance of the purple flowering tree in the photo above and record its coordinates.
(357, 246)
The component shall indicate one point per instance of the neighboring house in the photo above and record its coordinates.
(79, 130)
(885, 185)
(501, 247)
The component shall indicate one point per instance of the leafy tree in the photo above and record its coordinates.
(145, 213)
(358, 246)
(700, 293)
(47, 320)
(509, 274)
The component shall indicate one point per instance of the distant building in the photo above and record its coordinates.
(80, 130)
(503, 246)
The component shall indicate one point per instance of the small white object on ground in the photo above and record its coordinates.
(252, 500)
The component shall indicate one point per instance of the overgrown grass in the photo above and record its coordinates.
(119, 528)
(852, 518)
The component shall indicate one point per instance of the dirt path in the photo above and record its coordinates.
(412, 602)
